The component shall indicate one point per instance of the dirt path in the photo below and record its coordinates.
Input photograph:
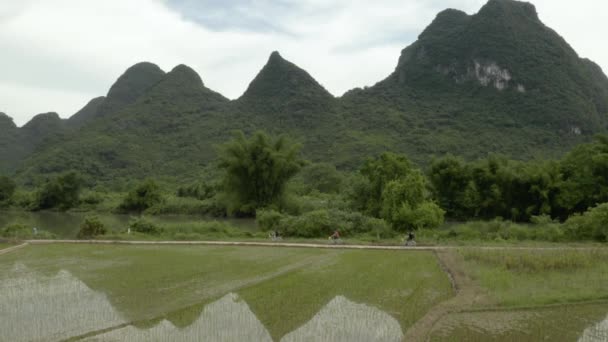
(467, 295)
(299, 245)
(11, 249)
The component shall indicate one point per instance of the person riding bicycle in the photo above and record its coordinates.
(335, 235)
(411, 239)
(411, 236)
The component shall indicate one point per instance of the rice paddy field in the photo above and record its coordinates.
(157, 293)
(69, 292)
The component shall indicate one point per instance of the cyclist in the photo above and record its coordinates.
(335, 236)
(411, 239)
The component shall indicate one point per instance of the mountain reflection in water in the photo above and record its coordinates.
(38, 307)
(596, 333)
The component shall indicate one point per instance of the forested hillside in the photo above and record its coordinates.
(499, 81)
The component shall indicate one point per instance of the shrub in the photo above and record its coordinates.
(269, 219)
(145, 226)
(592, 225)
(91, 227)
(310, 225)
(62, 192)
(92, 198)
(144, 196)
(378, 228)
(199, 191)
(21, 231)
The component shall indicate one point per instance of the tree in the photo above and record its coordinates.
(453, 186)
(322, 177)
(584, 172)
(145, 195)
(406, 205)
(7, 188)
(256, 170)
(61, 192)
(379, 172)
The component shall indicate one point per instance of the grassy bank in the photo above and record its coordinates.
(534, 277)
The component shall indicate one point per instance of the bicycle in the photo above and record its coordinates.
(275, 237)
(410, 243)
(335, 241)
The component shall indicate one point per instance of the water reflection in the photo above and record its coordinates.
(343, 320)
(35, 307)
(596, 333)
(38, 307)
(66, 225)
(227, 319)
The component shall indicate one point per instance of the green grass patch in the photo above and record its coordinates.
(561, 323)
(543, 276)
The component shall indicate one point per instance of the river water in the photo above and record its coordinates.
(66, 225)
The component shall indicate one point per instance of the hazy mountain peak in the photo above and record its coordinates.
(134, 82)
(184, 74)
(275, 56)
(281, 78)
(509, 8)
(6, 122)
(43, 118)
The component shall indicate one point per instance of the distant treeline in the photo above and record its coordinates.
(265, 177)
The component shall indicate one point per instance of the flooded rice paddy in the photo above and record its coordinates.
(117, 293)
(154, 293)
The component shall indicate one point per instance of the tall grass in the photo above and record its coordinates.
(537, 260)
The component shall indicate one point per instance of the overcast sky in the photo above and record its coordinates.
(55, 55)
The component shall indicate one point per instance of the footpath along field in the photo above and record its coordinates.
(57, 292)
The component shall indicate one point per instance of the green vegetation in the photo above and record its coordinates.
(7, 189)
(257, 170)
(144, 196)
(62, 192)
(23, 232)
(532, 277)
(498, 187)
(558, 323)
(389, 196)
(91, 228)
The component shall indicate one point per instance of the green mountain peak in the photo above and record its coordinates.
(88, 113)
(134, 82)
(280, 78)
(6, 122)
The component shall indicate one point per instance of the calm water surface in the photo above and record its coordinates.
(66, 225)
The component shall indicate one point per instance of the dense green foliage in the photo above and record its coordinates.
(62, 192)
(91, 227)
(145, 226)
(21, 231)
(394, 190)
(256, 170)
(145, 195)
(592, 225)
(499, 187)
(7, 189)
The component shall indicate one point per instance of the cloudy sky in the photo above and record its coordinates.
(55, 55)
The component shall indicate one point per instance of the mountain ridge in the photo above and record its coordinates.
(495, 81)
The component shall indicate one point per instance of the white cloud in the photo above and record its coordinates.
(57, 54)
